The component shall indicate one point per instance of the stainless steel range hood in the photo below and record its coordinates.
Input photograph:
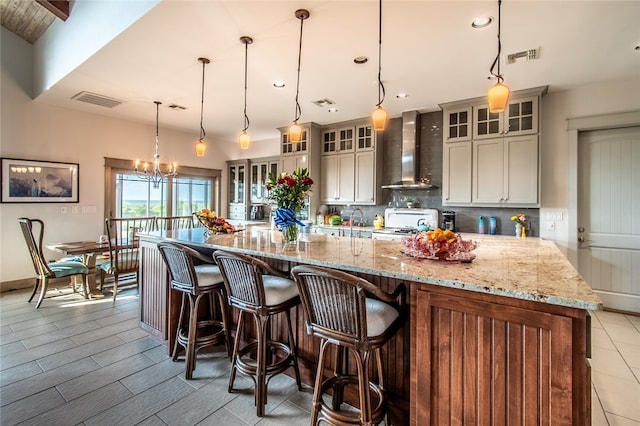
(410, 129)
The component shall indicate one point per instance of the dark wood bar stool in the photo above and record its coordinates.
(195, 330)
(357, 318)
(257, 289)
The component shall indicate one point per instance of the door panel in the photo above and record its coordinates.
(608, 215)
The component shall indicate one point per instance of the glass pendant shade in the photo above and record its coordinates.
(244, 140)
(201, 148)
(379, 119)
(295, 133)
(498, 97)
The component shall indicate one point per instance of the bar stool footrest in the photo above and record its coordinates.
(328, 414)
(204, 337)
(248, 366)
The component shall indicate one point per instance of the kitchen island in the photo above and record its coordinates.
(504, 339)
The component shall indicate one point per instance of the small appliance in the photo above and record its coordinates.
(399, 222)
(449, 220)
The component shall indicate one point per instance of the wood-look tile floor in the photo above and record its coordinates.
(77, 362)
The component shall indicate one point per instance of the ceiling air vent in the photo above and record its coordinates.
(525, 55)
(94, 98)
(177, 107)
(323, 102)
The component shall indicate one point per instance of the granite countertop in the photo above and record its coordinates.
(529, 268)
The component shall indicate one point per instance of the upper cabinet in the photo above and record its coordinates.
(520, 118)
(238, 178)
(492, 159)
(349, 164)
(260, 169)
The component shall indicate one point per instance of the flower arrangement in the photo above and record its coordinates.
(519, 218)
(214, 223)
(289, 192)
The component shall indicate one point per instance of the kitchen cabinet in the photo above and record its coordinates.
(519, 118)
(505, 171)
(349, 168)
(238, 196)
(304, 155)
(497, 164)
(260, 170)
(456, 174)
(457, 124)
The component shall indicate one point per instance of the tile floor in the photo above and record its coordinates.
(76, 362)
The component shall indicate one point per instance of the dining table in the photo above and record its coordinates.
(89, 251)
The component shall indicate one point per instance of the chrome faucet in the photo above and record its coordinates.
(353, 213)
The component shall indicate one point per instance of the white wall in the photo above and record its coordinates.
(33, 130)
(601, 98)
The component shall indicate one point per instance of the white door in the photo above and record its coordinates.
(609, 215)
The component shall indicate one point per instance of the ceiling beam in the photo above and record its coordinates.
(60, 8)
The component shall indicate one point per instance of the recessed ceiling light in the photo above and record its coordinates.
(333, 109)
(279, 84)
(402, 95)
(361, 60)
(481, 22)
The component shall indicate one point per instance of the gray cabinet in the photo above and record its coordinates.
(497, 164)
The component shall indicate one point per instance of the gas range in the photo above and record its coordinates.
(401, 222)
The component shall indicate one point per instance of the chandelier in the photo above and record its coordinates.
(155, 175)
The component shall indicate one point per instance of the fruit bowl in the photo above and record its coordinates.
(215, 224)
(439, 245)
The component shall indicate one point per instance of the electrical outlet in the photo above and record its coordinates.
(551, 226)
(63, 210)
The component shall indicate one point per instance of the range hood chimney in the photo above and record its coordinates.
(410, 166)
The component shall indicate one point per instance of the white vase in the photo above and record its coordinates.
(518, 229)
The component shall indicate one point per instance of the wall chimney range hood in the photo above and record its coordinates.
(410, 166)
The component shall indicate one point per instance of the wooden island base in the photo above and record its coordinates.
(462, 357)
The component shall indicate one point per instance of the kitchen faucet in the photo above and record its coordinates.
(353, 213)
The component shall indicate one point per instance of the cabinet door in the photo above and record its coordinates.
(488, 171)
(337, 172)
(365, 138)
(291, 163)
(520, 170)
(521, 117)
(365, 184)
(486, 124)
(256, 184)
(329, 142)
(456, 174)
(288, 147)
(457, 125)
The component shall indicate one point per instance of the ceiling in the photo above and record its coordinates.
(429, 51)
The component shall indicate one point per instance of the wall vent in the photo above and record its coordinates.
(96, 99)
(525, 55)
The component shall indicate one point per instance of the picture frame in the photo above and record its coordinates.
(31, 181)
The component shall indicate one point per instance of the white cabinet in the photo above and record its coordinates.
(288, 147)
(505, 171)
(519, 118)
(365, 175)
(456, 173)
(238, 189)
(259, 174)
(338, 173)
(365, 138)
(338, 140)
(457, 124)
(497, 164)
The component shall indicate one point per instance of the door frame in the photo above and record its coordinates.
(574, 127)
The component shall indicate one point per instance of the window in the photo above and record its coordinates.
(126, 195)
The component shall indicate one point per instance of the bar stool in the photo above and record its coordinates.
(196, 331)
(340, 312)
(255, 288)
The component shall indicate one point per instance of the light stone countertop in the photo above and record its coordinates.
(529, 268)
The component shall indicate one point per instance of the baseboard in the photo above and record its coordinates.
(617, 302)
(17, 284)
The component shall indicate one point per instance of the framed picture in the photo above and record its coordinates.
(28, 181)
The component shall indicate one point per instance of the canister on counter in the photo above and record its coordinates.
(493, 225)
(481, 225)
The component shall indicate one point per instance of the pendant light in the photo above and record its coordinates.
(498, 95)
(379, 115)
(155, 175)
(245, 140)
(295, 131)
(200, 145)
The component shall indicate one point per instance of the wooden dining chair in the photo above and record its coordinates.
(167, 223)
(124, 243)
(46, 271)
